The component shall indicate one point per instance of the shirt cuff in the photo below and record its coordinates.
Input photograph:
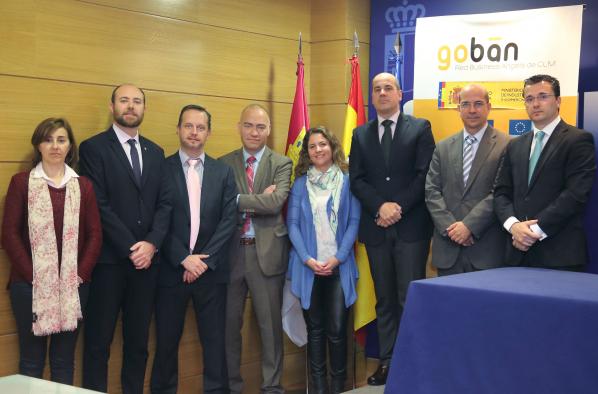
(538, 231)
(510, 222)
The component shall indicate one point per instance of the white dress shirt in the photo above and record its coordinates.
(393, 126)
(69, 173)
(548, 130)
(123, 138)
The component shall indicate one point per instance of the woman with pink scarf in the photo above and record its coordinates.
(52, 235)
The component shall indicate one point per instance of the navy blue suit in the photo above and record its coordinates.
(556, 196)
(397, 254)
(130, 212)
(218, 219)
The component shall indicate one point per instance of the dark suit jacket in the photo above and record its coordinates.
(217, 222)
(556, 196)
(373, 183)
(129, 212)
(449, 201)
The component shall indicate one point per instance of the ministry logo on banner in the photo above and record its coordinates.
(401, 21)
(519, 126)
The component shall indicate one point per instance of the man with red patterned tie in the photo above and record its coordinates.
(260, 250)
(196, 264)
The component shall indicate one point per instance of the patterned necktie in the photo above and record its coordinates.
(386, 141)
(467, 156)
(194, 191)
(135, 161)
(533, 160)
(249, 172)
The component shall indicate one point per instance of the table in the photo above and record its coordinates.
(20, 384)
(503, 331)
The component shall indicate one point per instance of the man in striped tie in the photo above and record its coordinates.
(459, 187)
(260, 250)
(544, 183)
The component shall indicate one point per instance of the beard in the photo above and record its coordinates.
(121, 121)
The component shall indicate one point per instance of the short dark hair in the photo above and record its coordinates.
(113, 97)
(45, 129)
(338, 156)
(556, 86)
(195, 108)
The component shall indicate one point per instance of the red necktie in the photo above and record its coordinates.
(250, 174)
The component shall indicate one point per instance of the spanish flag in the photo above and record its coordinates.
(299, 123)
(293, 323)
(364, 309)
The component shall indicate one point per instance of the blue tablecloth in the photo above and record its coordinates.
(591, 223)
(503, 331)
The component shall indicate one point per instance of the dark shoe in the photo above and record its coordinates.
(337, 386)
(379, 377)
(319, 385)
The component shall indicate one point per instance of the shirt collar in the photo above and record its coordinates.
(549, 128)
(69, 173)
(258, 155)
(122, 136)
(394, 118)
(184, 157)
(479, 135)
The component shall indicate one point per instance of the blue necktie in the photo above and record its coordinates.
(533, 160)
(386, 141)
(135, 161)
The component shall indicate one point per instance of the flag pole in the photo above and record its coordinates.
(354, 385)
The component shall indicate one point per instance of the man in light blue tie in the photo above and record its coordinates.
(459, 186)
(544, 182)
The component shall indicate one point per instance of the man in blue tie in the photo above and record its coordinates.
(389, 159)
(544, 183)
(128, 175)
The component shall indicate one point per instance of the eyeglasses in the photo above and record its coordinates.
(468, 104)
(542, 97)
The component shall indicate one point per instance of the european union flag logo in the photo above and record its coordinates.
(519, 126)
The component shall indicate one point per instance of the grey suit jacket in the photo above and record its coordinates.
(448, 200)
(271, 236)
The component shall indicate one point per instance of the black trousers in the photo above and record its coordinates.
(116, 287)
(394, 264)
(209, 302)
(326, 321)
(32, 349)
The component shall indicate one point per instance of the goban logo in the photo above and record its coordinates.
(477, 52)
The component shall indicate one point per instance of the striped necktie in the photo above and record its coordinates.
(250, 173)
(467, 156)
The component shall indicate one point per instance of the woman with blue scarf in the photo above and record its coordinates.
(323, 219)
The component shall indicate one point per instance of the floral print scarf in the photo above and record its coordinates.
(56, 306)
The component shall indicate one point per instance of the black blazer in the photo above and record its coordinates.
(129, 212)
(556, 196)
(373, 183)
(218, 215)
